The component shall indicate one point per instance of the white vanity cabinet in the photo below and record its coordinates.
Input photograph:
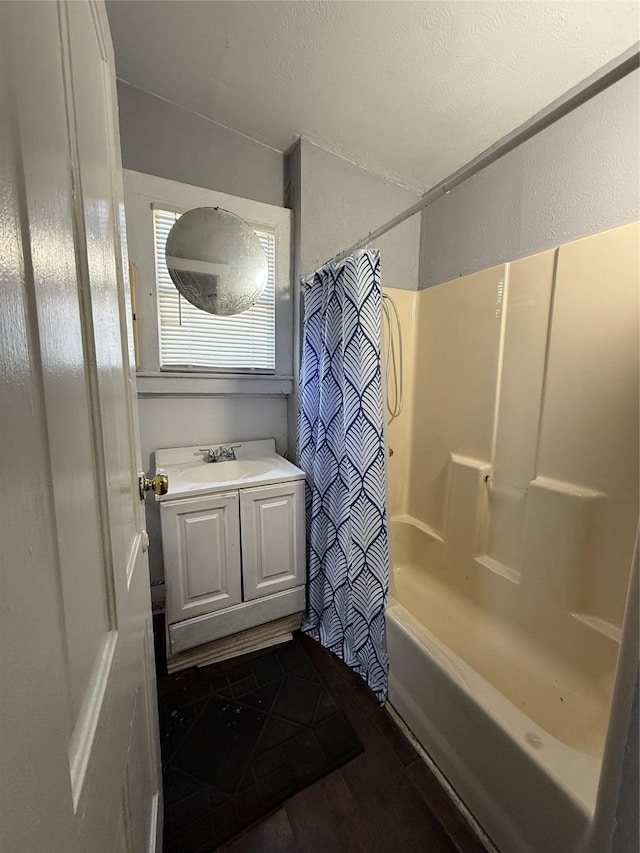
(272, 522)
(201, 544)
(233, 540)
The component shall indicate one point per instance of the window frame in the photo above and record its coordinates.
(143, 193)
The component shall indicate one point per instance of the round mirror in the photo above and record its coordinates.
(216, 261)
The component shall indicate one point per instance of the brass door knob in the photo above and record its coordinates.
(159, 484)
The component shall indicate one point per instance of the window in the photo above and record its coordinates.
(181, 351)
(190, 338)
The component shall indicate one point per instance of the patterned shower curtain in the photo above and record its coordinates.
(341, 449)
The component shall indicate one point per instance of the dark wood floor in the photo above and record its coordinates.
(384, 800)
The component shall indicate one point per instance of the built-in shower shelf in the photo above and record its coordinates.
(600, 625)
(425, 528)
(499, 568)
(570, 490)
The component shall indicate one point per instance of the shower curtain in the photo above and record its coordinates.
(341, 449)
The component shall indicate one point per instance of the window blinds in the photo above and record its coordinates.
(192, 339)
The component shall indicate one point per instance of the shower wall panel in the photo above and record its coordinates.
(589, 425)
(457, 348)
(518, 452)
(520, 378)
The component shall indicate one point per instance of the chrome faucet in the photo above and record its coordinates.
(220, 454)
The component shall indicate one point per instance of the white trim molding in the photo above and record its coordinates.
(212, 385)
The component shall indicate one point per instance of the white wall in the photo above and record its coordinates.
(578, 177)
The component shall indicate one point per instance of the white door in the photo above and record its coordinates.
(78, 740)
(201, 545)
(273, 552)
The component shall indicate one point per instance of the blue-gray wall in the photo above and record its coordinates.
(338, 202)
(335, 202)
(161, 139)
(578, 177)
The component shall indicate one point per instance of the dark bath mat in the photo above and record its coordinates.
(236, 745)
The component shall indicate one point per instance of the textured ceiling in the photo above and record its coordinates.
(411, 90)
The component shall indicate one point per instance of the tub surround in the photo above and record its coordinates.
(515, 519)
(487, 468)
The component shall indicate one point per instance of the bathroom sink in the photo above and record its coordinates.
(223, 472)
(256, 464)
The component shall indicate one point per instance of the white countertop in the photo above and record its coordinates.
(256, 464)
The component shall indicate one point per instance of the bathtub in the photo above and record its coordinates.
(514, 723)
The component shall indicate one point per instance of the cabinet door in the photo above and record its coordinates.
(201, 543)
(273, 550)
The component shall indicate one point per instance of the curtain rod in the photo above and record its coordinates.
(588, 88)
